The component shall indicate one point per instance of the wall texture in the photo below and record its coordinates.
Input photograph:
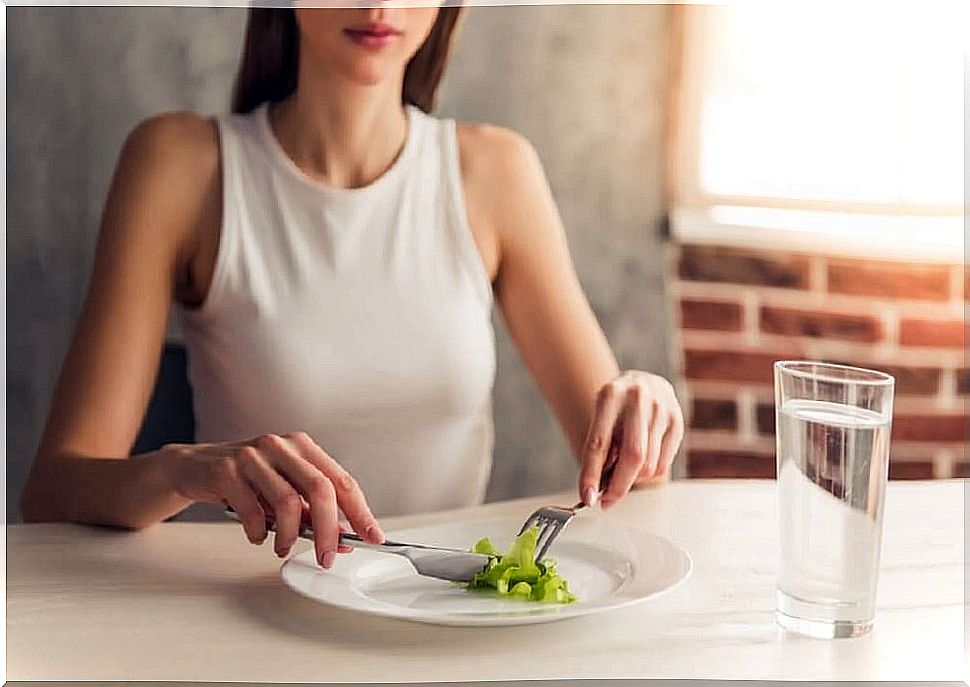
(585, 83)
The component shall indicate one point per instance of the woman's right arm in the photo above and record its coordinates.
(159, 191)
(165, 190)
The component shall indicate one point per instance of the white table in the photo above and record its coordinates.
(188, 601)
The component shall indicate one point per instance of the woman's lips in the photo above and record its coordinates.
(372, 35)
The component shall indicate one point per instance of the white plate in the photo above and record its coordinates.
(606, 567)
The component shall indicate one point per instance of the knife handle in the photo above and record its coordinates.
(346, 538)
(306, 532)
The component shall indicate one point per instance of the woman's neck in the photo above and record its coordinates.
(343, 135)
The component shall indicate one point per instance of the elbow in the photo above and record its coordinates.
(36, 506)
(42, 502)
(39, 500)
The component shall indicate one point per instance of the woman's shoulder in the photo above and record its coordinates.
(488, 145)
(504, 182)
(171, 161)
(186, 140)
(496, 158)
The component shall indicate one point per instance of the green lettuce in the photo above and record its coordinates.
(516, 574)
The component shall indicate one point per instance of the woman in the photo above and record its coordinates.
(334, 252)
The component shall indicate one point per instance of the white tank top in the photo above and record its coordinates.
(360, 316)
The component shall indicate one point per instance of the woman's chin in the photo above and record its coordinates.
(370, 78)
(369, 74)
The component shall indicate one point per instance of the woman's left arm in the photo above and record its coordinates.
(633, 415)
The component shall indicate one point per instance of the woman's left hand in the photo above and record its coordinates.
(638, 425)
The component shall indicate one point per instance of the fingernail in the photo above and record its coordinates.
(374, 534)
(328, 559)
(590, 496)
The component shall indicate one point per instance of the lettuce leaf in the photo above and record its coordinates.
(516, 574)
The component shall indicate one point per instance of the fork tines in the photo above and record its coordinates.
(550, 520)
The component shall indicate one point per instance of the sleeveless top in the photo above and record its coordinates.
(360, 316)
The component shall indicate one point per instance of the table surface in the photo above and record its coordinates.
(196, 602)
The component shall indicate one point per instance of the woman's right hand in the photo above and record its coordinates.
(278, 476)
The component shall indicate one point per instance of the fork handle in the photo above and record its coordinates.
(605, 478)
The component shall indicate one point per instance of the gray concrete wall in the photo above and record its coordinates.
(585, 83)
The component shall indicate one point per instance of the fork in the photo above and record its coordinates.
(551, 520)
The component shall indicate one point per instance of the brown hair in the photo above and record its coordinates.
(268, 71)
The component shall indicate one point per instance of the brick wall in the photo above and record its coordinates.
(736, 311)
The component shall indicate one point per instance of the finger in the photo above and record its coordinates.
(659, 422)
(671, 442)
(631, 450)
(308, 523)
(598, 441)
(282, 498)
(240, 496)
(343, 548)
(350, 497)
(316, 489)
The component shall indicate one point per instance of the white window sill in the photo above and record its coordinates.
(891, 237)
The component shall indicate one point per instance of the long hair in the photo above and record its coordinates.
(271, 54)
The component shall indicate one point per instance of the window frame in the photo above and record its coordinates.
(691, 215)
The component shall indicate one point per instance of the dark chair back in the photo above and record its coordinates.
(169, 417)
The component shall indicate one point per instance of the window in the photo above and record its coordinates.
(808, 123)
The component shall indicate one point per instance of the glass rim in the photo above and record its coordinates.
(876, 378)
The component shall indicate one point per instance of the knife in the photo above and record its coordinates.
(453, 565)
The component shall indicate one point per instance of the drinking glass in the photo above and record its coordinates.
(833, 424)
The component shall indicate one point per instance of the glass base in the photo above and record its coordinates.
(818, 620)
(822, 629)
